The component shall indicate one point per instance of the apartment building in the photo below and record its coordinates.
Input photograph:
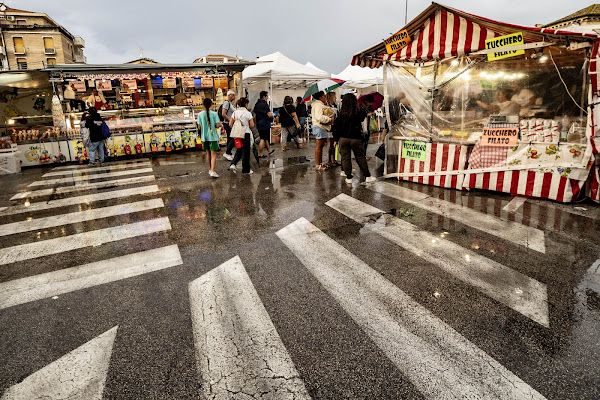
(32, 40)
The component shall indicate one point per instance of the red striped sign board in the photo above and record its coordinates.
(444, 166)
(543, 185)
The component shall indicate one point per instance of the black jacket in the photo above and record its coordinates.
(95, 127)
(350, 128)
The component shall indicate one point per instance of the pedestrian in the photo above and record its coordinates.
(368, 109)
(348, 132)
(209, 124)
(322, 118)
(301, 113)
(245, 117)
(93, 122)
(331, 103)
(290, 126)
(96, 100)
(264, 116)
(227, 110)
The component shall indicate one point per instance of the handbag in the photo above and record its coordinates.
(297, 131)
(380, 153)
(237, 130)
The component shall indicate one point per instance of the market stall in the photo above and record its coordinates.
(488, 105)
(149, 108)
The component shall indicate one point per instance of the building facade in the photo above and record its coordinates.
(589, 16)
(31, 40)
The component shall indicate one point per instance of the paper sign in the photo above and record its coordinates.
(207, 81)
(221, 82)
(169, 83)
(414, 151)
(504, 41)
(129, 84)
(188, 82)
(78, 86)
(104, 85)
(397, 42)
(500, 136)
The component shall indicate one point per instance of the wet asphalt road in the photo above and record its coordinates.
(335, 354)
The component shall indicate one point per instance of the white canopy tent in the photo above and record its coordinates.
(362, 79)
(280, 76)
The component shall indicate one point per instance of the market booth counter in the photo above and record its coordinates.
(489, 105)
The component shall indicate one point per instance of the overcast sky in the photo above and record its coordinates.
(326, 33)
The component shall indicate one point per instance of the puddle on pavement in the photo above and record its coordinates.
(279, 162)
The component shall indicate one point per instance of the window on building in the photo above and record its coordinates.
(19, 45)
(51, 61)
(21, 22)
(22, 63)
(49, 45)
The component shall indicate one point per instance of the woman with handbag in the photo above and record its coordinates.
(241, 123)
(209, 123)
(290, 125)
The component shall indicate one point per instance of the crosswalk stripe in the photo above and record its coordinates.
(80, 240)
(238, 349)
(85, 199)
(511, 288)
(84, 186)
(80, 374)
(439, 361)
(25, 290)
(79, 216)
(514, 204)
(86, 170)
(513, 232)
(122, 162)
(79, 179)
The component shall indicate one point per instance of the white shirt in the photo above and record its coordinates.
(244, 116)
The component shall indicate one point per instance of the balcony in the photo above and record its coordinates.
(78, 41)
(80, 59)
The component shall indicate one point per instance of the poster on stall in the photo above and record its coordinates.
(221, 82)
(169, 83)
(78, 86)
(207, 81)
(414, 151)
(188, 82)
(498, 43)
(104, 85)
(506, 137)
(397, 42)
(129, 84)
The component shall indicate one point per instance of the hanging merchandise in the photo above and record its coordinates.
(58, 117)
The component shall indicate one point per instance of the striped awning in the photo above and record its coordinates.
(442, 32)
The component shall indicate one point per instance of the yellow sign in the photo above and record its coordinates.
(504, 41)
(397, 42)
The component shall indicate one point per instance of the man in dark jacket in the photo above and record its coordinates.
(94, 123)
(264, 116)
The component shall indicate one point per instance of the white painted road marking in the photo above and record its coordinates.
(511, 231)
(85, 186)
(82, 178)
(86, 170)
(25, 290)
(85, 199)
(238, 350)
(80, 374)
(511, 288)
(85, 166)
(515, 204)
(439, 361)
(29, 251)
(79, 216)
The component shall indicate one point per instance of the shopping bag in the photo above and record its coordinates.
(380, 153)
(373, 127)
(238, 143)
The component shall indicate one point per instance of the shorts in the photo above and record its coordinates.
(302, 121)
(212, 146)
(265, 134)
(320, 133)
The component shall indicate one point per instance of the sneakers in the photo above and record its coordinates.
(370, 179)
(213, 174)
(271, 152)
(228, 157)
(348, 180)
(248, 173)
(343, 174)
(233, 168)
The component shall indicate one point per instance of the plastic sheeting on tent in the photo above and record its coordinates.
(281, 76)
(359, 78)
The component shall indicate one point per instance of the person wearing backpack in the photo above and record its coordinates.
(94, 123)
(225, 112)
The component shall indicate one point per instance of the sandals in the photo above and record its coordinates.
(321, 167)
(284, 148)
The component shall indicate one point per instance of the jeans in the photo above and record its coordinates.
(346, 145)
(230, 141)
(97, 146)
(244, 154)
